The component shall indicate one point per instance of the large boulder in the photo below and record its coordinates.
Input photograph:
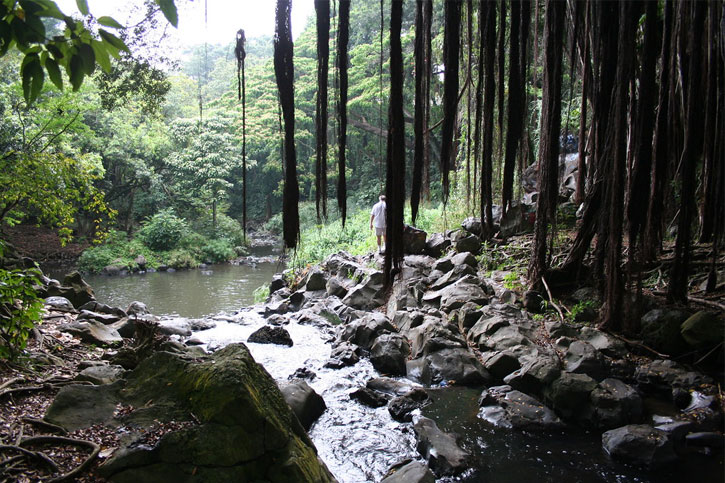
(433, 336)
(640, 444)
(401, 406)
(535, 374)
(389, 353)
(448, 365)
(413, 240)
(367, 294)
(80, 406)
(304, 401)
(661, 330)
(271, 335)
(569, 395)
(703, 329)
(101, 374)
(471, 244)
(364, 331)
(74, 288)
(614, 404)
(582, 358)
(315, 280)
(93, 332)
(436, 244)
(514, 409)
(242, 430)
(439, 449)
(454, 296)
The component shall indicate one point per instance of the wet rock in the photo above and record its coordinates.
(342, 264)
(302, 373)
(389, 353)
(401, 406)
(660, 329)
(342, 355)
(92, 332)
(403, 297)
(709, 439)
(500, 364)
(74, 288)
(271, 335)
(364, 331)
(390, 386)
(94, 306)
(663, 375)
(370, 397)
(439, 449)
(454, 296)
(640, 444)
(471, 244)
(703, 329)
(464, 258)
(277, 283)
(413, 240)
(140, 261)
(582, 358)
(307, 405)
(180, 327)
(436, 244)
(59, 303)
(614, 404)
(98, 317)
(101, 374)
(421, 262)
(570, 393)
(409, 472)
(603, 342)
(515, 409)
(137, 309)
(432, 336)
(534, 375)
(468, 315)
(406, 320)
(457, 365)
(316, 280)
(201, 324)
(125, 327)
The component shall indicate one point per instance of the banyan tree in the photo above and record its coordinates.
(639, 83)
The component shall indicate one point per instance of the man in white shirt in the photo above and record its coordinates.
(377, 219)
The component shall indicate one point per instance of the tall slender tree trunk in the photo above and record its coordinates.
(422, 80)
(322, 8)
(284, 73)
(394, 187)
(550, 125)
(343, 36)
(514, 120)
(451, 45)
(488, 21)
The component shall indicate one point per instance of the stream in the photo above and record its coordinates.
(359, 443)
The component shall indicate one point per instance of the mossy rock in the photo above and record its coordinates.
(242, 428)
(703, 329)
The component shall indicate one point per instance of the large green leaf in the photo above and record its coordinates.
(82, 6)
(169, 10)
(33, 77)
(99, 48)
(109, 22)
(76, 71)
(88, 57)
(54, 72)
(113, 40)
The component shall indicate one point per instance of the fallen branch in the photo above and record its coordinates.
(710, 303)
(551, 299)
(638, 344)
(10, 382)
(39, 455)
(23, 389)
(69, 441)
(706, 355)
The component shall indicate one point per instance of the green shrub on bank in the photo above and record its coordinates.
(118, 251)
(163, 231)
(180, 259)
(219, 250)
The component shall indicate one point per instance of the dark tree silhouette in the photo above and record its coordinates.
(451, 43)
(488, 24)
(240, 53)
(343, 36)
(322, 8)
(515, 123)
(395, 160)
(422, 99)
(284, 73)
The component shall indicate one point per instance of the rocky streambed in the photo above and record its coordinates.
(442, 377)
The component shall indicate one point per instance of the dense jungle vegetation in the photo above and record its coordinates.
(151, 154)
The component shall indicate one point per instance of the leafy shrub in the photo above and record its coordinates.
(116, 250)
(217, 251)
(260, 294)
(20, 309)
(193, 243)
(227, 228)
(181, 259)
(163, 231)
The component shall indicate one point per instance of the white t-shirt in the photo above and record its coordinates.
(379, 213)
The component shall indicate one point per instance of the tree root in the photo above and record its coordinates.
(68, 441)
(44, 424)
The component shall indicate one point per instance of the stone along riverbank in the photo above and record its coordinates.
(380, 380)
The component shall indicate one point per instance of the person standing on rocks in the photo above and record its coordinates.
(377, 219)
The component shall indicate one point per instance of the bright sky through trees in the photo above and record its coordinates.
(224, 17)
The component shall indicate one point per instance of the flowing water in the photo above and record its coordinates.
(358, 443)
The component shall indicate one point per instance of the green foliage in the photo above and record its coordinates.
(163, 230)
(77, 48)
(182, 259)
(219, 250)
(117, 250)
(20, 309)
(261, 293)
(579, 307)
(512, 281)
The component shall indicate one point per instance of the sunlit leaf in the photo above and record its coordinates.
(113, 40)
(169, 10)
(82, 6)
(99, 48)
(54, 72)
(109, 22)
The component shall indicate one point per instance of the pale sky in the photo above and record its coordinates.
(224, 17)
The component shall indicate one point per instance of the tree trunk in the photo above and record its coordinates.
(284, 73)
(342, 41)
(515, 118)
(450, 88)
(422, 80)
(322, 8)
